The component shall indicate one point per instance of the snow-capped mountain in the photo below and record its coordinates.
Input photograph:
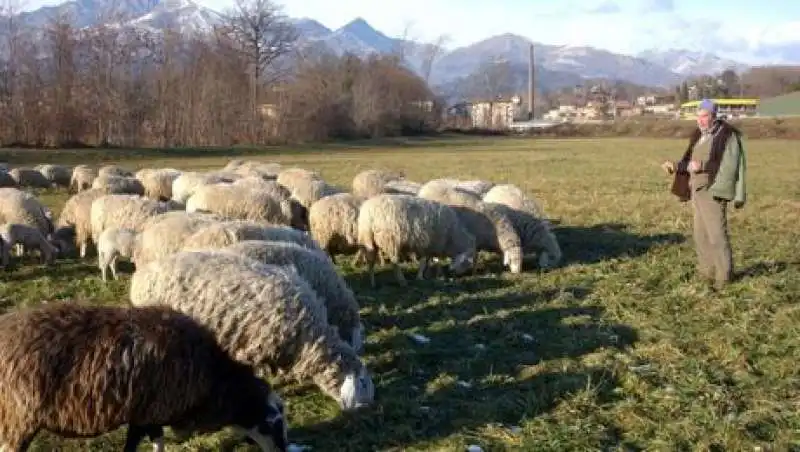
(689, 63)
(561, 65)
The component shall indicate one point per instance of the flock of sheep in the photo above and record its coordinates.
(235, 282)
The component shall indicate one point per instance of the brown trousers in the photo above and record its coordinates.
(711, 237)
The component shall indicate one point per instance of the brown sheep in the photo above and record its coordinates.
(81, 371)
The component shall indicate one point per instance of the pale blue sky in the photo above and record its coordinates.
(739, 28)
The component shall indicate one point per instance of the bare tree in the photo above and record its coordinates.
(430, 53)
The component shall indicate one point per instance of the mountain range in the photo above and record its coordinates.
(556, 66)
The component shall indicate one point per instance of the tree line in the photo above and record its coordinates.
(756, 82)
(248, 80)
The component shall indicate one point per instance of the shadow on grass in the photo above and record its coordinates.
(477, 369)
(592, 244)
(765, 268)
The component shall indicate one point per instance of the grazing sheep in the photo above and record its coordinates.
(122, 211)
(82, 178)
(157, 183)
(369, 183)
(311, 191)
(477, 187)
(512, 196)
(185, 185)
(223, 233)
(30, 237)
(402, 187)
(77, 214)
(321, 274)
(291, 177)
(441, 191)
(58, 175)
(493, 231)
(264, 315)
(333, 221)
(17, 206)
(400, 224)
(6, 180)
(536, 235)
(114, 243)
(27, 177)
(113, 170)
(259, 183)
(146, 367)
(252, 168)
(243, 203)
(113, 184)
(166, 233)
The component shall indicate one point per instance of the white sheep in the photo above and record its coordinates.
(17, 206)
(321, 274)
(157, 183)
(122, 211)
(252, 168)
(113, 184)
(310, 191)
(166, 233)
(493, 231)
(58, 175)
(402, 187)
(185, 185)
(30, 237)
(82, 178)
(114, 170)
(28, 177)
(223, 233)
(263, 315)
(244, 203)
(440, 190)
(333, 223)
(77, 214)
(535, 233)
(512, 196)
(372, 182)
(114, 243)
(401, 224)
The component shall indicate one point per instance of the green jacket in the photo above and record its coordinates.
(729, 183)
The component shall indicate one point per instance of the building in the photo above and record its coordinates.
(494, 114)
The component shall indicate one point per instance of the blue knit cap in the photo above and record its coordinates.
(709, 106)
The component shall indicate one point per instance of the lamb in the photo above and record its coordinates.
(114, 243)
(27, 177)
(511, 196)
(29, 237)
(400, 224)
(264, 315)
(369, 183)
(333, 221)
(147, 367)
(82, 178)
(17, 206)
(122, 211)
(58, 175)
(239, 202)
(113, 184)
(166, 233)
(535, 233)
(321, 274)
(157, 183)
(76, 214)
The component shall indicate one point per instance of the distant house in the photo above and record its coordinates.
(495, 113)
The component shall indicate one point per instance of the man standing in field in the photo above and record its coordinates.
(711, 183)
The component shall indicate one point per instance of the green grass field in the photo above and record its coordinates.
(618, 349)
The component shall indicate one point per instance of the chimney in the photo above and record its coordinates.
(530, 84)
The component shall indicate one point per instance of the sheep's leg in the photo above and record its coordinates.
(102, 262)
(114, 268)
(83, 250)
(371, 256)
(398, 273)
(423, 266)
(136, 434)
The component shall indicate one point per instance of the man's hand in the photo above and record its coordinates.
(668, 167)
(695, 166)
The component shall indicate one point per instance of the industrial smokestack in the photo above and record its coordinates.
(530, 83)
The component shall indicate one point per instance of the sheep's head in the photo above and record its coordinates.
(513, 259)
(357, 391)
(271, 433)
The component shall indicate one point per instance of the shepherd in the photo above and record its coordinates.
(711, 183)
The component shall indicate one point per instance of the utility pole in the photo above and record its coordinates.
(531, 69)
